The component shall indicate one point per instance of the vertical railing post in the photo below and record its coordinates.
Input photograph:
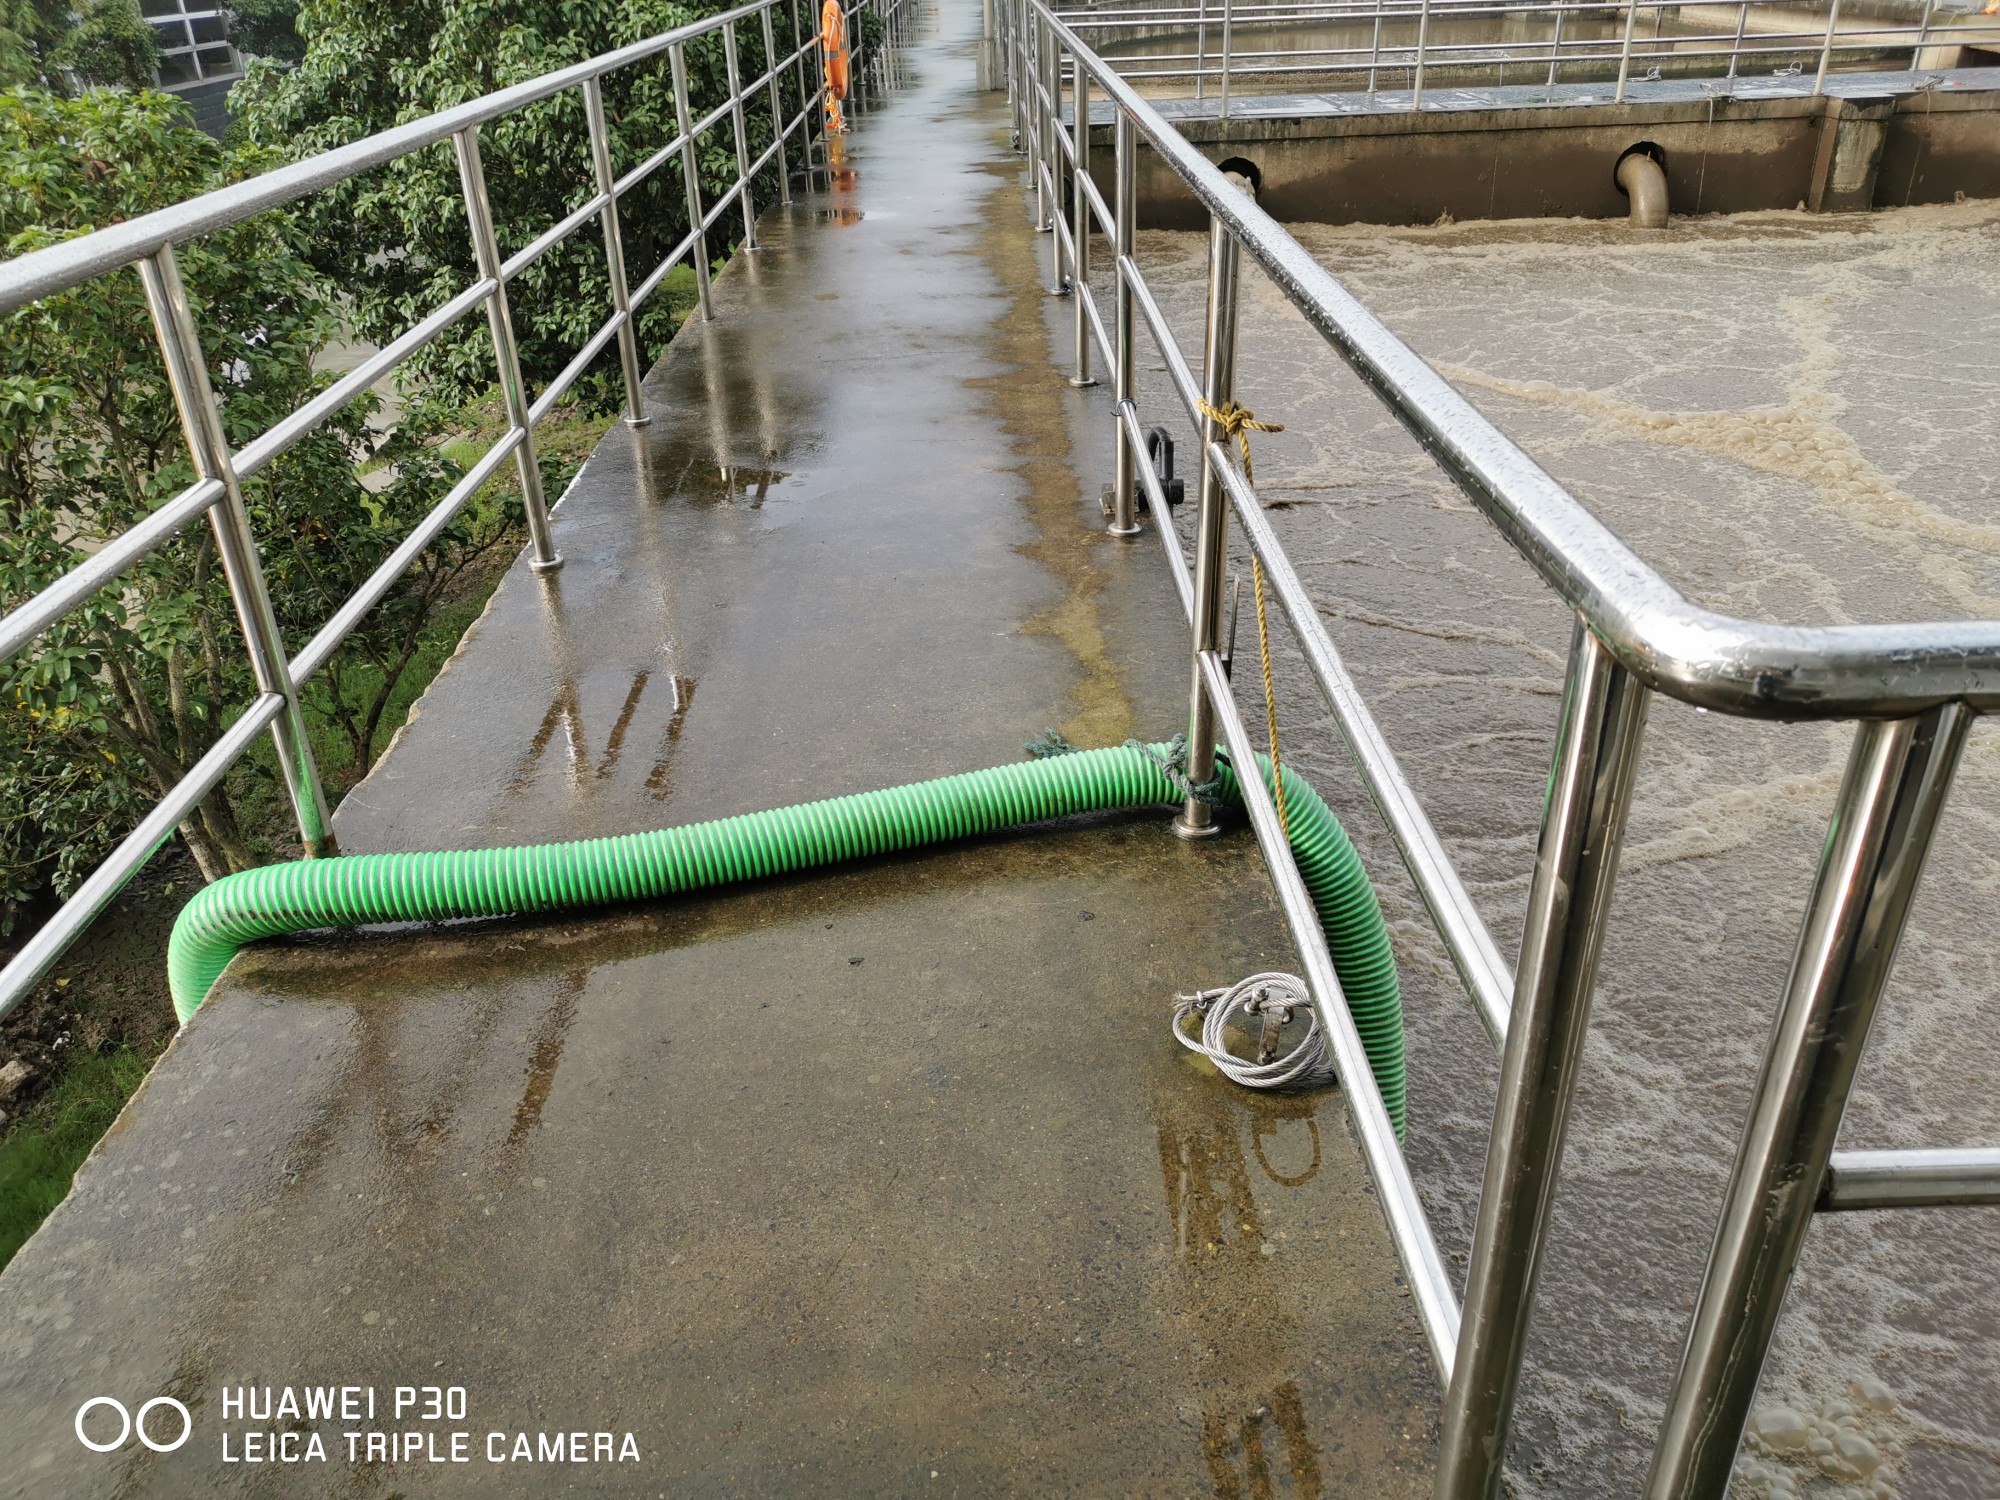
(1125, 218)
(691, 175)
(1051, 128)
(1826, 49)
(1736, 47)
(1079, 220)
(506, 356)
(1059, 280)
(1222, 93)
(1898, 774)
(1211, 546)
(1569, 900)
(614, 253)
(802, 81)
(1417, 71)
(777, 109)
(1016, 30)
(1923, 34)
(1200, 47)
(1375, 51)
(208, 446)
(1037, 41)
(1625, 53)
(746, 196)
(857, 78)
(1556, 45)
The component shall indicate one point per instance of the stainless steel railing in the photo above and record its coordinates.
(148, 243)
(1913, 688)
(1412, 45)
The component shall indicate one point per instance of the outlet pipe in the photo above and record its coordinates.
(1643, 179)
(351, 891)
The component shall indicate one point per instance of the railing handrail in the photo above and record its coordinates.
(148, 242)
(56, 268)
(1701, 656)
(1915, 689)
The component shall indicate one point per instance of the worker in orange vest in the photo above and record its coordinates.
(833, 47)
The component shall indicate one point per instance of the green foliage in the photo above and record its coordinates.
(109, 46)
(120, 698)
(105, 43)
(371, 64)
(41, 1153)
(267, 28)
(872, 32)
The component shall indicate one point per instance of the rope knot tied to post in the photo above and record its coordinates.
(1173, 766)
(1238, 422)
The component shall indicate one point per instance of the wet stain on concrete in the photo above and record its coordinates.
(1027, 400)
(826, 1183)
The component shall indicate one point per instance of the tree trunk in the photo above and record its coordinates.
(219, 820)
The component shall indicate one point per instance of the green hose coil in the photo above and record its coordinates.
(351, 891)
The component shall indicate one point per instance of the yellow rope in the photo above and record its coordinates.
(1239, 422)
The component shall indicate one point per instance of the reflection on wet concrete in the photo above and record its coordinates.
(580, 763)
(546, 1055)
(1239, 1463)
(1234, 1277)
(853, 1183)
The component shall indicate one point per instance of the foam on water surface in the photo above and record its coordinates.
(1793, 418)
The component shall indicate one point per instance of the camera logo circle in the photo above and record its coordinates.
(129, 1424)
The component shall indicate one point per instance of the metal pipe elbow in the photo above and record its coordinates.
(1644, 181)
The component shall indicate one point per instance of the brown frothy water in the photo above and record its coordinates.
(1792, 418)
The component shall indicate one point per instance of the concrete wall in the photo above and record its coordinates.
(1938, 146)
(1722, 156)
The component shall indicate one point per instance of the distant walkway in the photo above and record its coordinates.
(1638, 91)
(884, 1181)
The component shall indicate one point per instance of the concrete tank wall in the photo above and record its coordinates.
(1726, 155)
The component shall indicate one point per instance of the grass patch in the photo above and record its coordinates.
(40, 1154)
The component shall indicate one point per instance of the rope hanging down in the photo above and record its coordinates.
(1239, 422)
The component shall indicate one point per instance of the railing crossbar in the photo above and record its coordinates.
(1914, 687)
(148, 241)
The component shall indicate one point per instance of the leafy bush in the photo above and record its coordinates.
(51, 43)
(119, 699)
(396, 238)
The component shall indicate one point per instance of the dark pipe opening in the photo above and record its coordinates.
(1242, 166)
(1638, 148)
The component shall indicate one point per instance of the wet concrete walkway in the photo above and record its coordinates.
(884, 1181)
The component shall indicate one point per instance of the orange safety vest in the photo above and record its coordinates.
(833, 39)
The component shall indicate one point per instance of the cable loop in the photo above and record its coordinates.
(1270, 997)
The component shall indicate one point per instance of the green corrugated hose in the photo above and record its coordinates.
(347, 892)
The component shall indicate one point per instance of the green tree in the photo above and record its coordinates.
(267, 28)
(117, 701)
(396, 238)
(105, 43)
